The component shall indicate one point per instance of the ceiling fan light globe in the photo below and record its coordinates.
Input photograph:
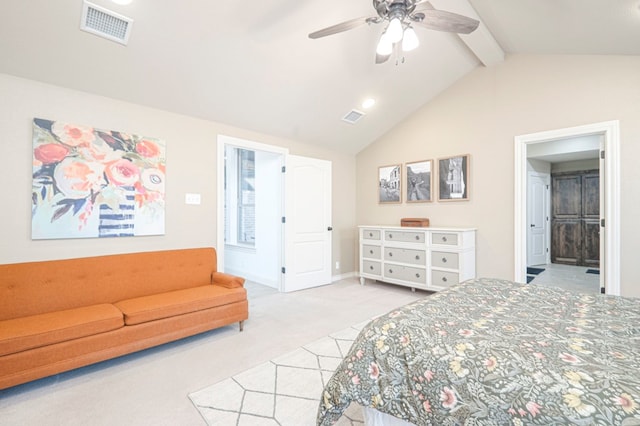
(394, 30)
(410, 40)
(385, 46)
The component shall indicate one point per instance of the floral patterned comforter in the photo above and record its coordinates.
(493, 352)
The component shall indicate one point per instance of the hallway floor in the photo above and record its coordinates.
(568, 277)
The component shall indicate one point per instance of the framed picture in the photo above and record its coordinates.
(419, 181)
(453, 178)
(93, 183)
(389, 184)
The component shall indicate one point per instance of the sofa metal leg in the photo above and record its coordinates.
(241, 325)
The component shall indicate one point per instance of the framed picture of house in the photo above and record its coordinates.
(419, 181)
(390, 184)
(453, 178)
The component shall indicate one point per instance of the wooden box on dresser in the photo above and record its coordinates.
(425, 258)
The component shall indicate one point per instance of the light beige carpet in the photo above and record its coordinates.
(282, 392)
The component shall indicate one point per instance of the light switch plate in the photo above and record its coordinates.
(192, 198)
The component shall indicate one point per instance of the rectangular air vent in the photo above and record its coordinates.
(105, 23)
(353, 116)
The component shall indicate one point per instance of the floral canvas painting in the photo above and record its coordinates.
(90, 183)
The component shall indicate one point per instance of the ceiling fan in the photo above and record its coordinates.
(399, 33)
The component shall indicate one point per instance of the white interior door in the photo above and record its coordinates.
(308, 223)
(538, 219)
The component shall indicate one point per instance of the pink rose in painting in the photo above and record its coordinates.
(427, 406)
(73, 135)
(355, 380)
(533, 408)
(122, 173)
(76, 178)
(147, 149)
(448, 398)
(50, 153)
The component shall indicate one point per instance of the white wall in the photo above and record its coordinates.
(481, 115)
(191, 168)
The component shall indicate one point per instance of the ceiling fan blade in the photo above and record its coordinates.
(441, 20)
(338, 28)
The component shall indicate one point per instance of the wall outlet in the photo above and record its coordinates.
(337, 265)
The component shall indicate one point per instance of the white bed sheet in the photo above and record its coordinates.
(376, 418)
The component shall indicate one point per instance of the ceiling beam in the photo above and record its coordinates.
(481, 41)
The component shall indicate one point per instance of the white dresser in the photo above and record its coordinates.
(425, 258)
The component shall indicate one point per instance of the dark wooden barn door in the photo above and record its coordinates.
(575, 227)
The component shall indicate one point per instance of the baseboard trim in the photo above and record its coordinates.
(335, 278)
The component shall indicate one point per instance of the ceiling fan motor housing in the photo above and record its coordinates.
(389, 9)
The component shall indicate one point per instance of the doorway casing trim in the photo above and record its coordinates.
(611, 133)
(223, 141)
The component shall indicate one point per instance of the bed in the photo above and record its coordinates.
(494, 352)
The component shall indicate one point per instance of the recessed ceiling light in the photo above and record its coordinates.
(368, 103)
(123, 2)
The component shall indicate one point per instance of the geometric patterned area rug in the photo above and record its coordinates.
(285, 391)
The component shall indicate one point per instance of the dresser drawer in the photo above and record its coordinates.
(369, 267)
(444, 279)
(371, 252)
(405, 273)
(443, 259)
(404, 236)
(416, 257)
(445, 238)
(371, 234)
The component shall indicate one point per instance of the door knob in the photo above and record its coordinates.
(329, 229)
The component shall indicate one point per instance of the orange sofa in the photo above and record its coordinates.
(63, 314)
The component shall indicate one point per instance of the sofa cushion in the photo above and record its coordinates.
(169, 304)
(21, 334)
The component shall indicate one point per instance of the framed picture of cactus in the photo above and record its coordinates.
(92, 183)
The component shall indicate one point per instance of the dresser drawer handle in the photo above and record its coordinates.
(390, 236)
(444, 260)
(417, 275)
(444, 279)
(370, 251)
(390, 254)
(391, 271)
(444, 239)
(417, 257)
(371, 267)
(417, 237)
(371, 234)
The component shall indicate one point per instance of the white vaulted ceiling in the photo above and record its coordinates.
(251, 64)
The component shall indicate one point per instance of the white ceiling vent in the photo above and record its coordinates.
(105, 23)
(353, 116)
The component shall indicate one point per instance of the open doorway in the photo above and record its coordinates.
(607, 137)
(274, 222)
(251, 206)
(563, 213)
